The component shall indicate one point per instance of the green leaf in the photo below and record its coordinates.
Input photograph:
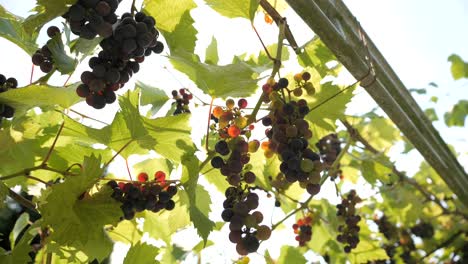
(380, 132)
(431, 114)
(200, 246)
(373, 169)
(291, 254)
(20, 253)
(418, 90)
(153, 96)
(166, 223)
(126, 232)
(21, 223)
(84, 46)
(198, 198)
(141, 253)
(168, 136)
(261, 62)
(323, 118)
(23, 99)
(152, 165)
(317, 55)
(367, 251)
(17, 153)
(236, 80)
(457, 116)
(129, 105)
(175, 23)
(46, 10)
(211, 56)
(11, 28)
(232, 9)
(172, 136)
(459, 68)
(76, 222)
(62, 61)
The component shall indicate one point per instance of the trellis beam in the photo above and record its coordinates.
(332, 21)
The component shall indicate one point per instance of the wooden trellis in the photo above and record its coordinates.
(332, 21)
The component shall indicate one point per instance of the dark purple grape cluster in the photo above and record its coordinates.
(89, 18)
(43, 57)
(288, 137)
(349, 232)
(423, 230)
(244, 225)
(121, 55)
(137, 197)
(233, 157)
(386, 227)
(7, 111)
(329, 147)
(182, 99)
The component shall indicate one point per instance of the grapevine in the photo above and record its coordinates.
(241, 152)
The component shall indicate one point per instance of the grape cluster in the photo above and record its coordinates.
(143, 195)
(233, 158)
(386, 227)
(302, 82)
(303, 230)
(121, 55)
(244, 225)
(89, 18)
(230, 121)
(329, 148)
(182, 99)
(7, 111)
(423, 230)
(349, 232)
(288, 137)
(43, 56)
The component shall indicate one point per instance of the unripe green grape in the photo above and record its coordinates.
(230, 103)
(297, 92)
(307, 165)
(309, 87)
(250, 221)
(263, 232)
(291, 131)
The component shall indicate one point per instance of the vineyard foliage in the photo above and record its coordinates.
(55, 162)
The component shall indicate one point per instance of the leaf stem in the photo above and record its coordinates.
(118, 153)
(32, 74)
(53, 144)
(128, 170)
(208, 125)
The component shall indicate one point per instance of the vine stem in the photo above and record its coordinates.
(133, 8)
(21, 200)
(276, 67)
(442, 245)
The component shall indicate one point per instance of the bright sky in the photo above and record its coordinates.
(415, 36)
